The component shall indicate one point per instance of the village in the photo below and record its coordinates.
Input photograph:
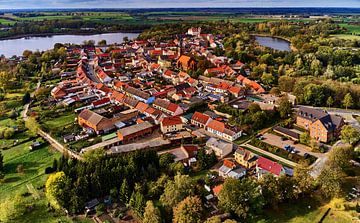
(145, 95)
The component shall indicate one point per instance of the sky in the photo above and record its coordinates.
(21, 4)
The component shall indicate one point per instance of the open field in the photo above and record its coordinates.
(354, 29)
(345, 37)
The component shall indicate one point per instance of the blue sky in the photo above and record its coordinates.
(13, 4)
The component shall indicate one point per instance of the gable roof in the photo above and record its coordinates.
(200, 117)
(216, 125)
(270, 166)
(168, 121)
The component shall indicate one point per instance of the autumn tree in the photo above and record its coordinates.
(188, 210)
(151, 214)
(56, 189)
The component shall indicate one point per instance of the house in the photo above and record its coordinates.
(220, 147)
(221, 130)
(186, 63)
(200, 120)
(101, 124)
(185, 153)
(139, 95)
(322, 126)
(194, 31)
(229, 169)
(34, 145)
(266, 166)
(171, 124)
(168, 107)
(135, 132)
(217, 189)
(215, 72)
(245, 158)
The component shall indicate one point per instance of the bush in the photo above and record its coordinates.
(8, 133)
(100, 209)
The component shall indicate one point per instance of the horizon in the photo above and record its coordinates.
(164, 4)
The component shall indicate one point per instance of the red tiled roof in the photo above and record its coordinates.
(141, 106)
(270, 166)
(235, 90)
(199, 117)
(168, 121)
(190, 149)
(216, 125)
(101, 102)
(229, 163)
(172, 107)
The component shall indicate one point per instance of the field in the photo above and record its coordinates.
(353, 29)
(345, 37)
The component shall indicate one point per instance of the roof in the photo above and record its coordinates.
(141, 106)
(270, 166)
(216, 125)
(168, 121)
(229, 164)
(137, 92)
(248, 156)
(287, 132)
(91, 116)
(199, 117)
(134, 128)
(216, 190)
(311, 114)
(191, 150)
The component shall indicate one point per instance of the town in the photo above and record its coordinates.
(148, 128)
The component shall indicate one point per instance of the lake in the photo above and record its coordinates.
(274, 43)
(17, 46)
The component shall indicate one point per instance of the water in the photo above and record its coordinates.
(17, 46)
(274, 43)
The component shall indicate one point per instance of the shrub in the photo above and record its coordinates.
(8, 133)
(100, 209)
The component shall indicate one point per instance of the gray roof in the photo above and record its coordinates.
(135, 128)
(311, 114)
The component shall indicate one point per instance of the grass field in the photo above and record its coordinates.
(60, 122)
(345, 37)
(354, 29)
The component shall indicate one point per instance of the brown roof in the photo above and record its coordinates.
(91, 116)
(199, 117)
(168, 121)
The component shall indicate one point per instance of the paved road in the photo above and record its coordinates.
(275, 157)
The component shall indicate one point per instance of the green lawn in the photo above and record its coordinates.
(6, 21)
(60, 122)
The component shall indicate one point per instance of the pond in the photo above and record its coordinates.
(273, 43)
(17, 46)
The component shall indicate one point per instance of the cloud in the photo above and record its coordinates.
(173, 4)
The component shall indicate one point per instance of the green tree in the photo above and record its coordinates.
(285, 108)
(32, 125)
(349, 134)
(271, 190)
(1, 162)
(188, 210)
(330, 180)
(151, 214)
(341, 156)
(329, 101)
(286, 83)
(267, 78)
(304, 180)
(348, 101)
(137, 202)
(13, 208)
(241, 197)
(56, 190)
(93, 156)
(275, 91)
(176, 190)
(124, 192)
(305, 138)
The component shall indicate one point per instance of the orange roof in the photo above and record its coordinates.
(199, 117)
(168, 121)
(216, 190)
(119, 84)
(240, 78)
(229, 163)
(172, 107)
(216, 125)
(141, 106)
(184, 59)
(223, 86)
(235, 90)
(139, 120)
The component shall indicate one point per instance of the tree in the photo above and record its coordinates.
(286, 83)
(267, 78)
(8, 133)
(137, 202)
(330, 180)
(275, 91)
(151, 214)
(330, 101)
(304, 180)
(1, 162)
(56, 190)
(165, 160)
(305, 138)
(26, 98)
(349, 134)
(176, 190)
(271, 190)
(102, 42)
(124, 192)
(285, 108)
(188, 211)
(341, 156)
(348, 101)
(13, 208)
(241, 197)
(92, 156)
(32, 125)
